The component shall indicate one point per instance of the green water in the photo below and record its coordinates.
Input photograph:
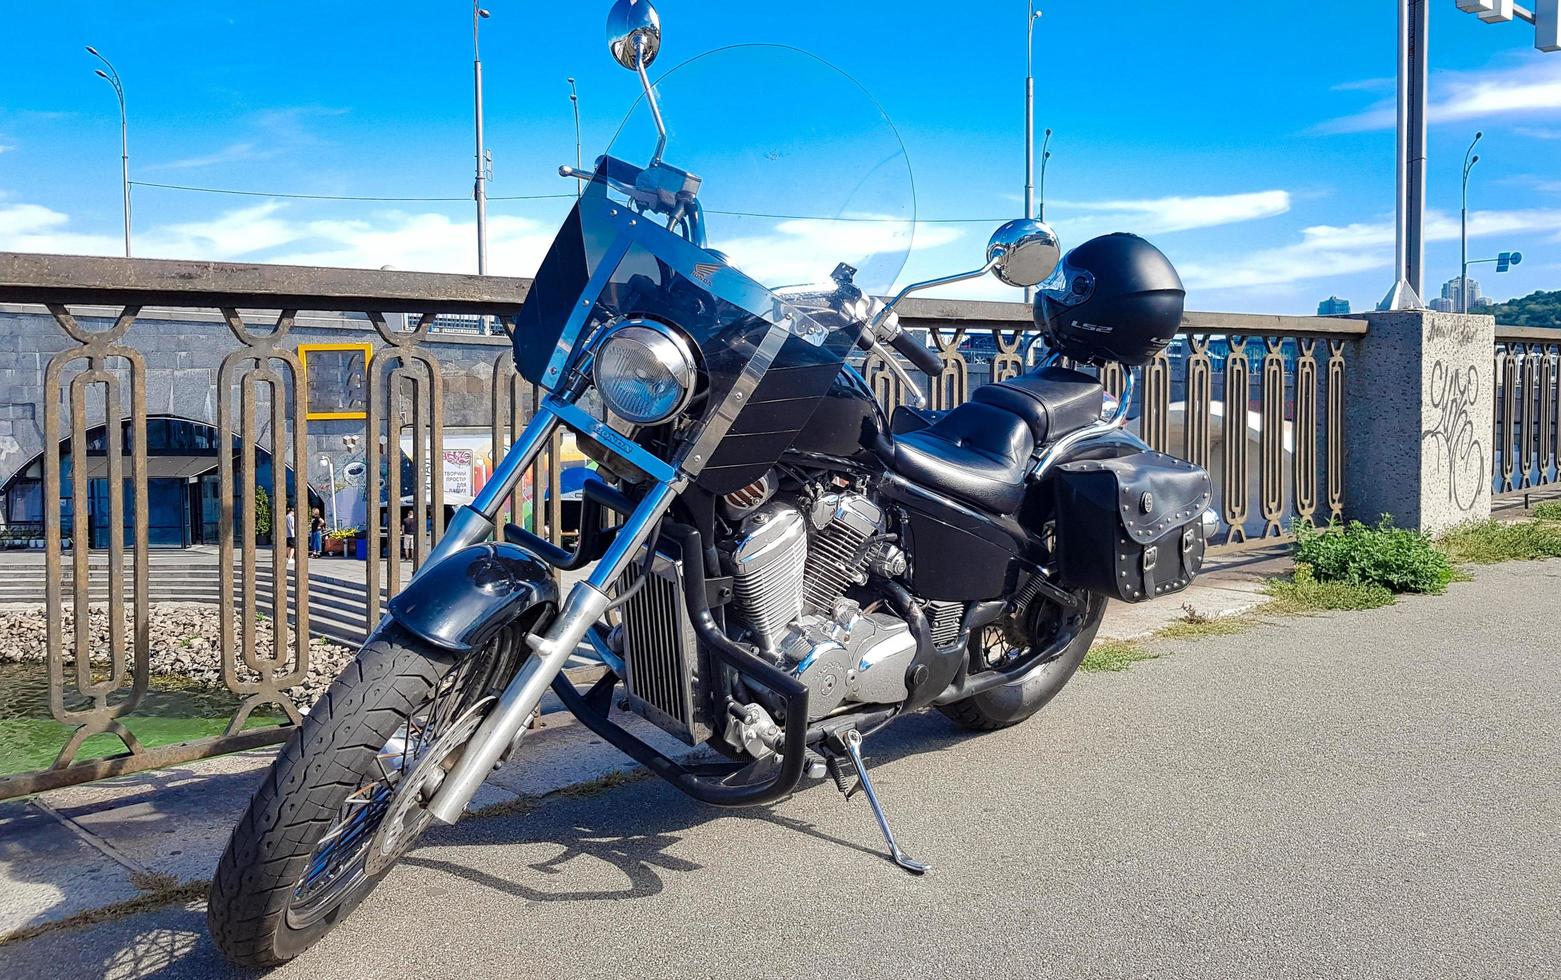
(30, 738)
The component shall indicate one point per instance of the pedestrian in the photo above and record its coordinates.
(291, 540)
(408, 535)
(316, 534)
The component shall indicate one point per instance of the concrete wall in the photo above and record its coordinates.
(183, 352)
(1420, 404)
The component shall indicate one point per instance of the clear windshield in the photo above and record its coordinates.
(778, 170)
(800, 167)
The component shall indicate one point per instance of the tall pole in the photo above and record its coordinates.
(112, 77)
(1409, 245)
(481, 189)
(574, 103)
(1031, 16)
(1463, 226)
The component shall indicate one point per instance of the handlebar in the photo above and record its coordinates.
(920, 355)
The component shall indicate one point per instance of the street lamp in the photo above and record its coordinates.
(574, 103)
(1029, 117)
(1046, 154)
(1470, 158)
(481, 189)
(112, 77)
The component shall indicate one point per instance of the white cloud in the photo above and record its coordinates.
(5, 148)
(233, 153)
(805, 250)
(1530, 89)
(1366, 85)
(1162, 215)
(1336, 250)
(267, 232)
(1539, 132)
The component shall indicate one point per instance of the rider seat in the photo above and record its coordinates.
(980, 451)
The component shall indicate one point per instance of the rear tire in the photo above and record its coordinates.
(333, 753)
(1060, 642)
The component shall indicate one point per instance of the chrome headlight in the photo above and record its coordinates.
(644, 371)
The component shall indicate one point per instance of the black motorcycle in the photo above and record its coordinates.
(777, 567)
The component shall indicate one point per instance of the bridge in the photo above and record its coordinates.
(186, 381)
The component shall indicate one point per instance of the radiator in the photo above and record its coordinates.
(663, 671)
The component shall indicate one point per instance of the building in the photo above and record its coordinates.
(1333, 306)
(1452, 298)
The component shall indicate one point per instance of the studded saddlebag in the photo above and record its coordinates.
(1130, 527)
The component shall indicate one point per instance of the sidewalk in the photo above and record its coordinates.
(82, 848)
(1366, 794)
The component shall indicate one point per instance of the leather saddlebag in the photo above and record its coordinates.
(1131, 527)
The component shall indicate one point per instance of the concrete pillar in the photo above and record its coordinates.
(1419, 418)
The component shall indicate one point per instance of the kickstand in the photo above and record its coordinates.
(851, 740)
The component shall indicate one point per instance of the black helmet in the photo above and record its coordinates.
(1114, 298)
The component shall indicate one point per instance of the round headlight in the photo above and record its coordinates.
(644, 371)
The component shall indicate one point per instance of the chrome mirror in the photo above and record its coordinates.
(1023, 252)
(634, 33)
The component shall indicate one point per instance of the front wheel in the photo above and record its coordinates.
(1046, 640)
(345, 797)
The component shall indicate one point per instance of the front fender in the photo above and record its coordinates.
(463, 600)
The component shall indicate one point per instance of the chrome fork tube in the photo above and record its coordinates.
(586, 603)
(474, 523)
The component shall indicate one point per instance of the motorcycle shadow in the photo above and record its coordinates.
(634, 831)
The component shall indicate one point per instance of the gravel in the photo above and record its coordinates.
(184, 641)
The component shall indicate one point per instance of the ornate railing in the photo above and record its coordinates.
(1257, 399)
(1528, 410)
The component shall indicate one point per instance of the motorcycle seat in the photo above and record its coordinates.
(980, 451)
(1053, 401)
(976, 452)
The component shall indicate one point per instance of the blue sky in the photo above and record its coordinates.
(1257, 149)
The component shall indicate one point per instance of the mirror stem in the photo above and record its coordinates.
(914, 287)
(650, 99)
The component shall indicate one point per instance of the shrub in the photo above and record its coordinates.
(1397, 559)
(1550, 510)
(1487, 542)
(262, 512)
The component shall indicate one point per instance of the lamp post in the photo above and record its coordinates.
(1033, 15)
(330, 468)
(574, 103)
(1470, 158)
(481, 189)
(112, 78)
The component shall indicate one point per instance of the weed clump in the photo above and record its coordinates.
(1393, 558)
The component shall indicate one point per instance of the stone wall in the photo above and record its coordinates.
(1420, 403)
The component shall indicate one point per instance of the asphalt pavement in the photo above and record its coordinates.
(1372, 794)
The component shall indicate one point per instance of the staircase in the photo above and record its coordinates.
(336, 604)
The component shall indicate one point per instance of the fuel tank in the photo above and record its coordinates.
(844, 427)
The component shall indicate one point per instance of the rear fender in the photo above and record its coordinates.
(462, 601)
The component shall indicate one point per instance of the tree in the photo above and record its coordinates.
(1538, 309)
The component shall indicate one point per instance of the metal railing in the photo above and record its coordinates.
(1527, 414)
(1257, 399)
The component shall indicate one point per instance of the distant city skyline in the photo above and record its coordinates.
(1265, 194)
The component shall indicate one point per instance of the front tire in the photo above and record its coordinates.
(1052, 636)
(321, 795)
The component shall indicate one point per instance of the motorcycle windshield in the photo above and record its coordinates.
(757, 290)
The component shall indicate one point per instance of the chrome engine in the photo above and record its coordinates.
(791, 567)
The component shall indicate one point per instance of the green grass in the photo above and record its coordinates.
(1302, 593)
(1114, 655)
(1196, 627)
(1550, 510)
(1488, 542)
